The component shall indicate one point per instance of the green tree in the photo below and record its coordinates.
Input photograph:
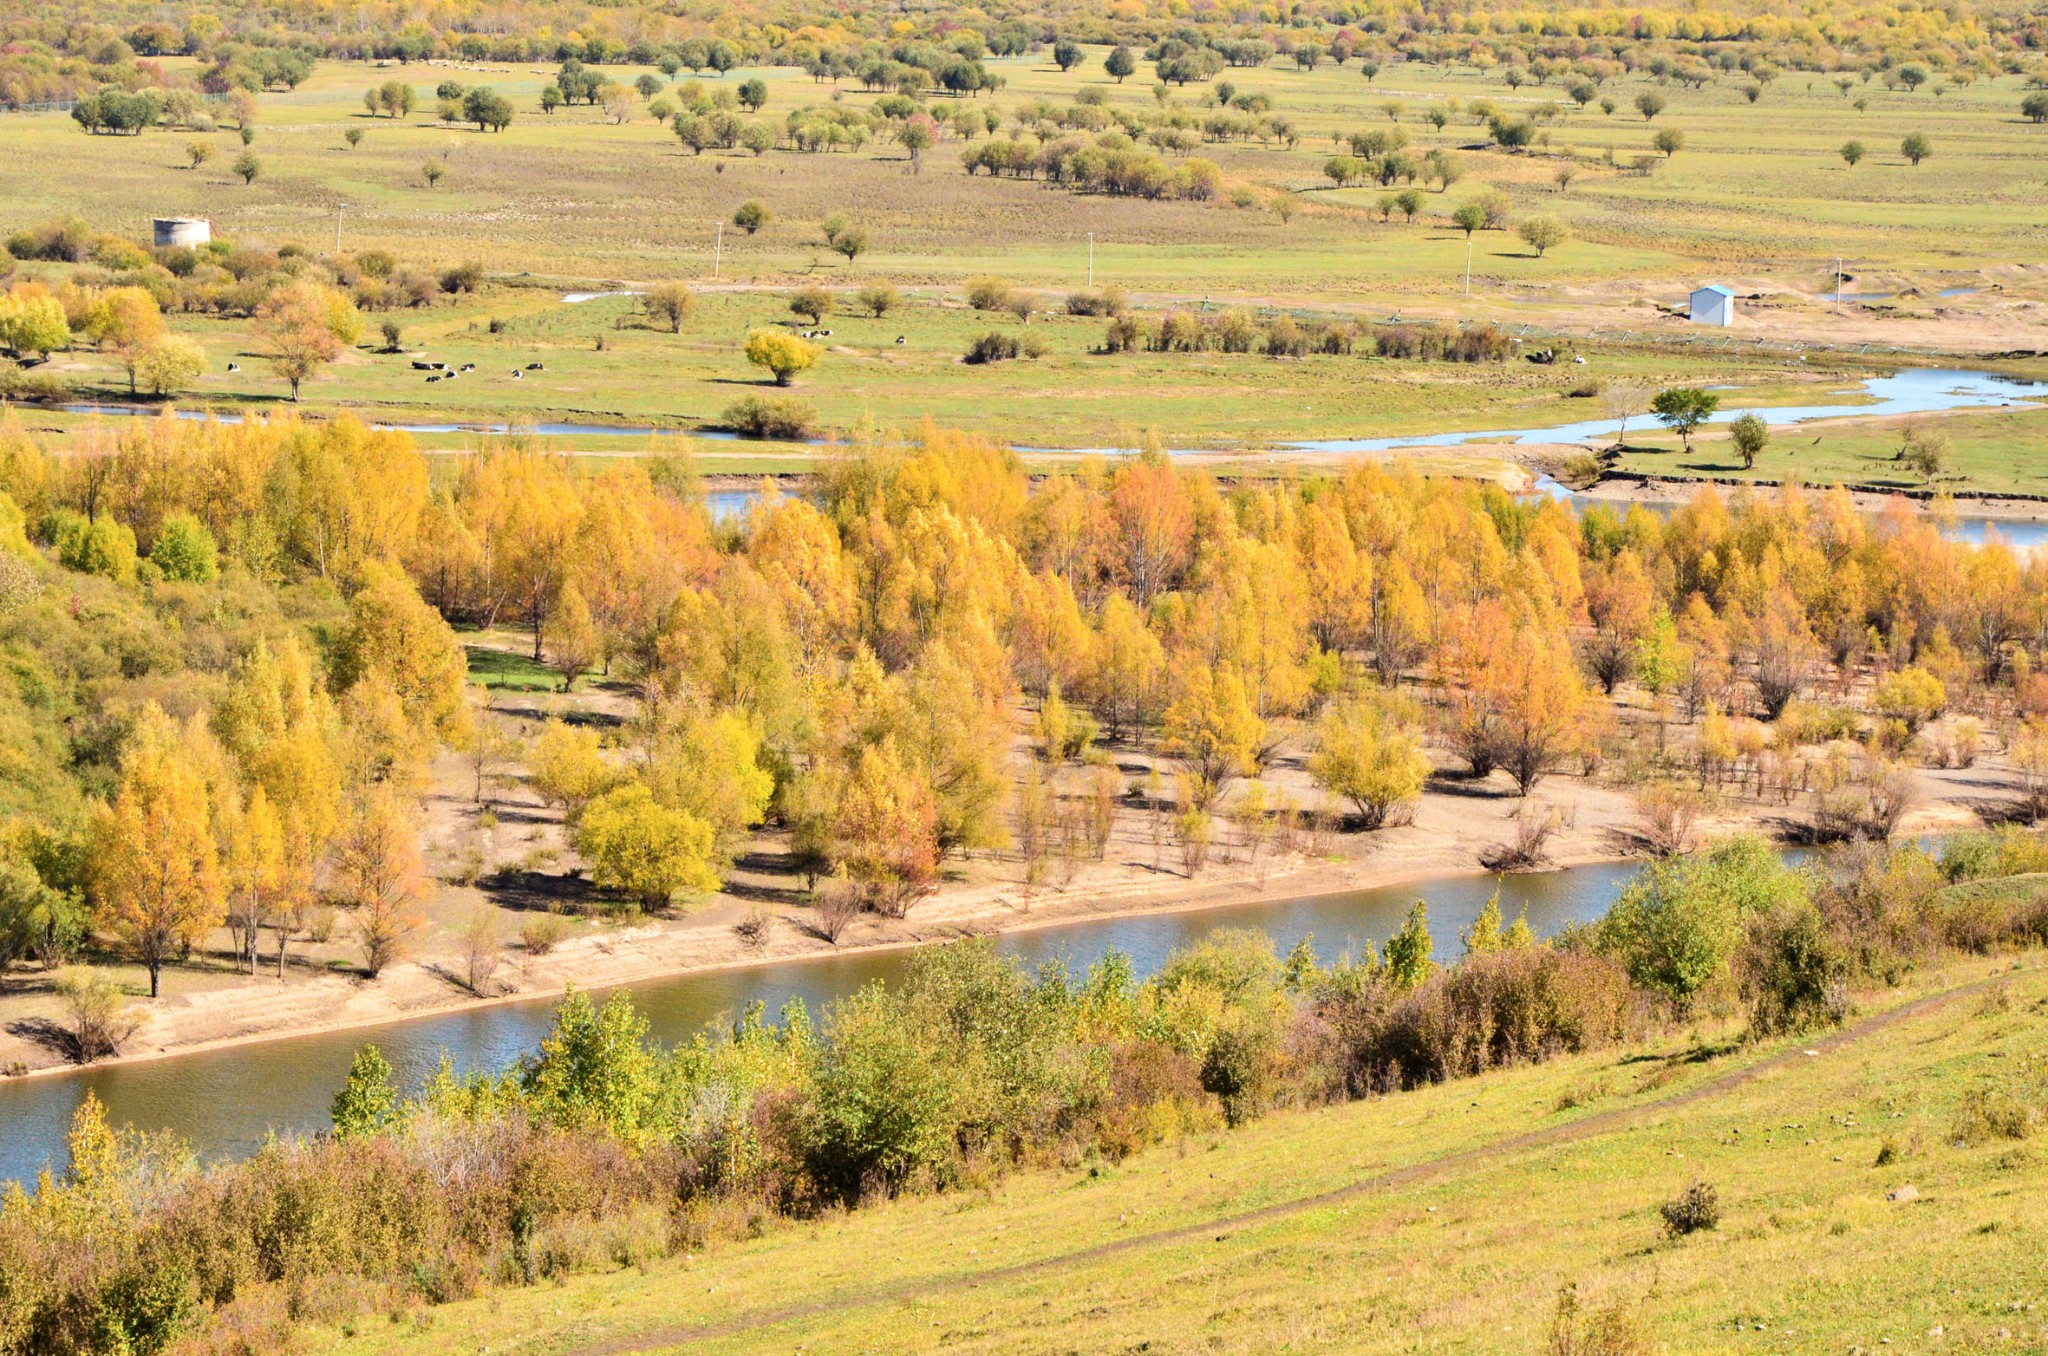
(1916, 147)
(1683, 409)
(1678, 923)
(247, 166)
(1066, 55)
(812, 303)
(639, 847)
(1408, 951)
(750, 216)
(1751, 435)
(367, 1101)
(185, 550)
(486, 108)
(1649, 104)
(1543, 234)
(1365, 754)
(1669, 140)
(753, 94)
(1120, 63)
(1852, 151)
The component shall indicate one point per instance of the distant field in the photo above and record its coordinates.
(570, 202)
(1467, 1255)
(1759, 186)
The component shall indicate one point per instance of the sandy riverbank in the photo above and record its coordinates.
(211, 1009)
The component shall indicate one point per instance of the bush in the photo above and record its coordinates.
(989, 294)
(990, 348)
(1988, 1114)
(1692, 1210)
(542, 934)
(782, 417)
(1794, 975)
(1677, 925)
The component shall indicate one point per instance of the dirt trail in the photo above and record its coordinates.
(1598, 1123)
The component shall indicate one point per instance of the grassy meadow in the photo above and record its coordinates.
(1460, 1212)
(568, 202)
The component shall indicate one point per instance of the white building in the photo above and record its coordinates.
(190, 232)
(1713, 305)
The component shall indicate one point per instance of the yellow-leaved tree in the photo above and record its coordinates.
(157, 885)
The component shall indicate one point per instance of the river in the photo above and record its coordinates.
(226, 1101)
(1918, 390)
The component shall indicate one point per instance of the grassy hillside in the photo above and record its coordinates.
(1439, 1220)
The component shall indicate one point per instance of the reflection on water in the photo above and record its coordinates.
(225, 1101)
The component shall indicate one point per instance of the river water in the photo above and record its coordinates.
(1920, 390)
(225, 1102)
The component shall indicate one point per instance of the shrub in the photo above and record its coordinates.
(1988, 1114)
(1793, 974)
(783, 417)
(783, 355)
(1677, 925)
(989, 294)
(992, 347)
(878, 299)
(542, 934)
(812, 303)
(185, 550)
(1692, 1210)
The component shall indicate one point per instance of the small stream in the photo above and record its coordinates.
(225, 1102)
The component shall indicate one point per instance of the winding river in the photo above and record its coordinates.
(1918, 390)
(226, 1101)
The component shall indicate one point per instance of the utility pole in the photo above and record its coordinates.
(339, 208)
(718, 251)
(1091, 258)
(1838, 280)
(1468, 263)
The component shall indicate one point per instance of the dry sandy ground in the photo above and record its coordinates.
(209, 1003)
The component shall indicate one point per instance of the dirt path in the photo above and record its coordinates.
(1598, 1123)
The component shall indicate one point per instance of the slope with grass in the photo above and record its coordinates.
(1865, 1198)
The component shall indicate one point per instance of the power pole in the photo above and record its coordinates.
(718, 251)
(339, 208)
(1468, 263)
(1838, 280)
(1091, 258)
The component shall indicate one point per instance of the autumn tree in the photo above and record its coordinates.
(888, 831)
(670, 304)
(157, 884)
(640, 848)
(1367, 752)
(377, 872)
(783, 355)
(306, 326)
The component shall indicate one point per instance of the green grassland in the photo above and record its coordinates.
(1992, 452)
(1442, 1220)
(570, 195)
(569, 201)
(1075, 396)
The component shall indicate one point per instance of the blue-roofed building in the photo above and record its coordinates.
(1713, 305)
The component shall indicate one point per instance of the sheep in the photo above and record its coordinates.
(234, 367)
(517, 374)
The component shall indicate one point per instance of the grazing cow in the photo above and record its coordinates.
(535, 367)
(469, 367)
(899, 341)
(517, 374)
(419, 365)
(234, 367)
(432, 379)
